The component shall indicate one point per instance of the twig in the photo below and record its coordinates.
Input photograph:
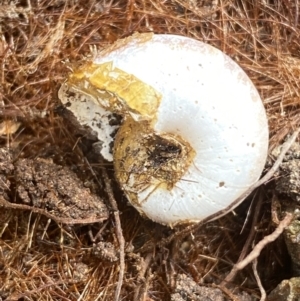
(144, 294)
(226, 291)
(258, 248)
(141, 276)
(252, 230)
(261, 288)
(118, 232)
(59, 220)
(275, 208)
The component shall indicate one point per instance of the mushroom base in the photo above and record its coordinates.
(145, 161)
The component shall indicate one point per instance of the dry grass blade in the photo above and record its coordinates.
(67, 221)
(261, 288)
(259, 247)
(119, 234)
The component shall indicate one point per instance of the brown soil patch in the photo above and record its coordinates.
(67, 247)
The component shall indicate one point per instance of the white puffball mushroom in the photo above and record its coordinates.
(194, 135)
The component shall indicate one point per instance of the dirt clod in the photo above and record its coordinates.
(187, 290)
(286, 290)
(288, 182)
(6, 168)
(106, 251)
(43, 184)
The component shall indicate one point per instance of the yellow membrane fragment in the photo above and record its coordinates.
(116, 90)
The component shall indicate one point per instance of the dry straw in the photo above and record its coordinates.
(40, 41)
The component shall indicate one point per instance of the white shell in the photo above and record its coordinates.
(209, 101)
